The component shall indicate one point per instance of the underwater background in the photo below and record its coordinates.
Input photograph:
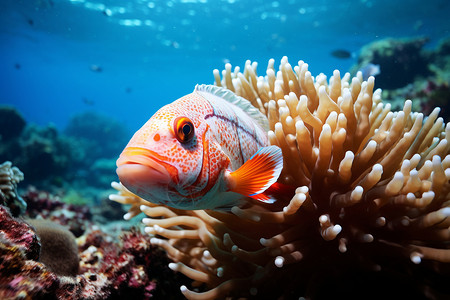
(79, 77)
(126, 59)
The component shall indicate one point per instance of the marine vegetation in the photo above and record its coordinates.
(370, 213)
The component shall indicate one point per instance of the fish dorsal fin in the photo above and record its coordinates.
(232, 98)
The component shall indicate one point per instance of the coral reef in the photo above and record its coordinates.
(84, 154)
(59, 251)
(98, 135)
(41, 153)
(43, 205)
(432, 90)
(108, 269)
(400, 60)
(11, 123)
(44, 154)
(135, 269)
(16, 233)
(20, 273)
(99, 139)
(372, 203)
(102, 171)
(9, 178)
(440, 61)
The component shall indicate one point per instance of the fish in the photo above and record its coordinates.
(341, 53)
(96, 68)
(370, 69)
(207, 150)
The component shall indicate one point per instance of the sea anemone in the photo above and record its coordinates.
(372, 202)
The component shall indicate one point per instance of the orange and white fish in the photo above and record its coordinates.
(206, 150)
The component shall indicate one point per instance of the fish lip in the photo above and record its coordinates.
(144, 158)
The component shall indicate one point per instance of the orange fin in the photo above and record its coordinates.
(263, 197)
(258, 173)
(275, 191)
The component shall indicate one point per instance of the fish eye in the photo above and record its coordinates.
(183, 129)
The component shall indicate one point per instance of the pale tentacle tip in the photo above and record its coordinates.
(127, 216)
(173, 266)
(207, 254)
(143, 207)
(416, 258)
(155, 241)
(337, 229)
(279, 261)
(149, 230)
(263, 242)
(446, 211)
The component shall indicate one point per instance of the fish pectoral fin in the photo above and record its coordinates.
(263, 197)
(257, 174)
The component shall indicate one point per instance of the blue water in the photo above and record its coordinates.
(153, 52)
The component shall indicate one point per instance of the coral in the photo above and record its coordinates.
(136, 268)
(372, 203)
(21, 278)
(74, 197)
(400, 60)
(99, 135)
(20, 273)
(434, 94)
(426, 89)
(11, 123)
(59, 251)
(9, 178)
(44, 153)
(108, 269)
(99, 139)
(107, 211)
(44, 205)
(41, 153)
(101, 172)
(440, 61)
(83, 155)
(14, 232)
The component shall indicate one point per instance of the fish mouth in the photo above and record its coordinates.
(139, 169)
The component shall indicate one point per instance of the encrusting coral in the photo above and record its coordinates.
(372, 197)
